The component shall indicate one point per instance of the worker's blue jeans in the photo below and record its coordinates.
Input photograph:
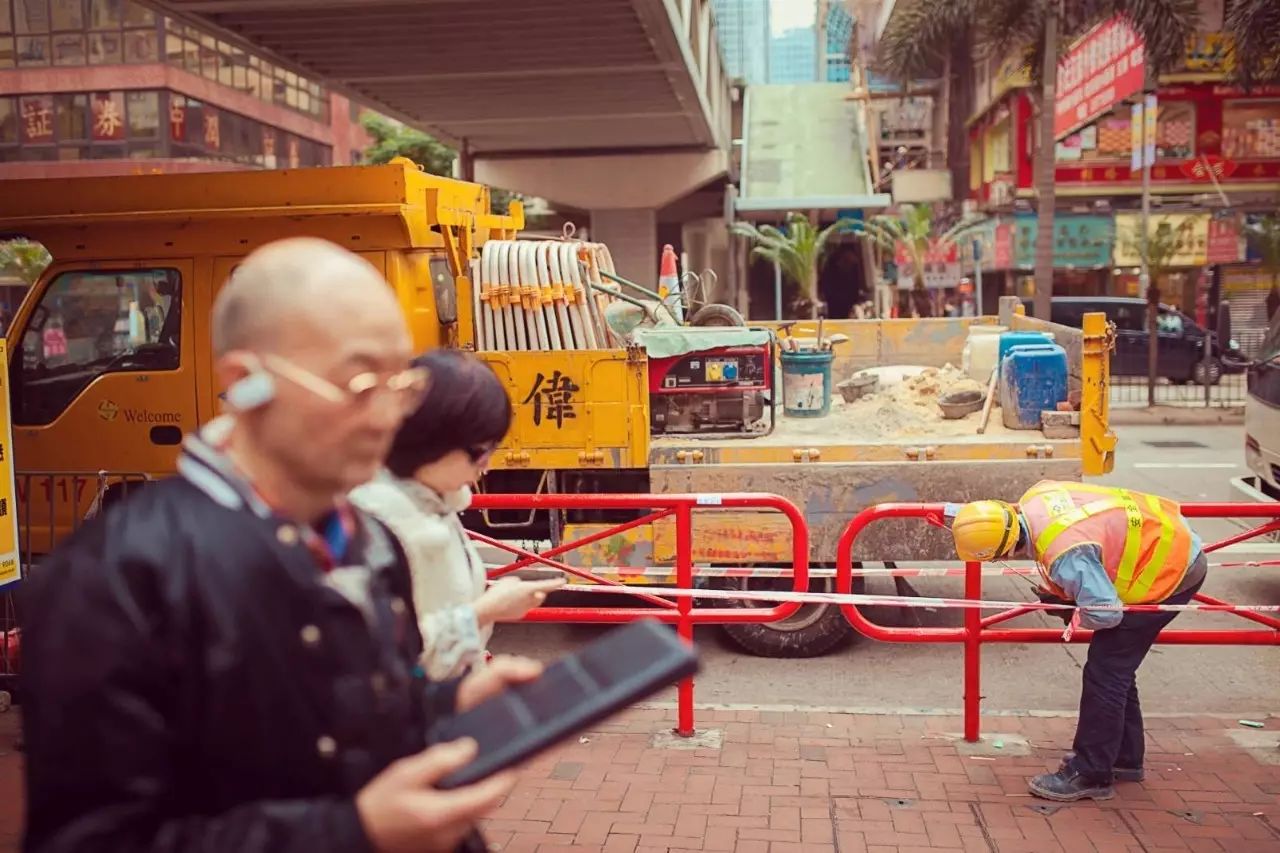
(1109, 733)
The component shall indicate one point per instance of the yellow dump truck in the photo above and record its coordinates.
(110, 365)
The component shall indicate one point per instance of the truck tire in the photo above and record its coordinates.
(717, 314)
(811, 631)
(1210, 374)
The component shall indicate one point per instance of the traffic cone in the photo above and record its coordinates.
(669, 282)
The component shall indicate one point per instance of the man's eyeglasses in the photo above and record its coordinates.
(408, 386)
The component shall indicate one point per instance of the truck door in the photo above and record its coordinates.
(102, 375)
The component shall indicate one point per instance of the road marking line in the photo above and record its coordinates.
(1186, 465)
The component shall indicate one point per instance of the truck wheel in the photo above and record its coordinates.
(1210, 374)
(811, 631)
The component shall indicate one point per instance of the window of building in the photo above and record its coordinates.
(1176, 130)
(31, 17)
(8, 121)
(144, 114)
(105, 14)
(8, 58)
(6, 20)
(89, 324)
(105, 48)
(69, 49)
(141, 46)
(33, 50)
(1251, 129)
(138, 16)
(67, 15)
(71, 117)
(173, 49)
(209, 57)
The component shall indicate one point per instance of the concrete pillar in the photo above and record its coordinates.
(632, 237)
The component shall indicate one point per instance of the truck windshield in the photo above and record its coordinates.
(89, 323)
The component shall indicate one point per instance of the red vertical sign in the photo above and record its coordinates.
(1224, 241)
(37, 119)
(177, 118)
(108, 116)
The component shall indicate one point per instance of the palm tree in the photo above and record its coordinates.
(922, 34)
(1160, 252)
(797, 250)
(912, 229)
(1254, 26)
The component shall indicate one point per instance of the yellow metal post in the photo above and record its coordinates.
(1099, 442)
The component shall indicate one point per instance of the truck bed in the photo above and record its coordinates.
(891, 425)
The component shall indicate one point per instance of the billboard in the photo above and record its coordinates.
(1104, 67)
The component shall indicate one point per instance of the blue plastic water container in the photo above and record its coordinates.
(1009, 340)
(1032, 379)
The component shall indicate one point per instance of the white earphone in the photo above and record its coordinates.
(254, 391)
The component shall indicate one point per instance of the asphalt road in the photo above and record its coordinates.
(870, 674)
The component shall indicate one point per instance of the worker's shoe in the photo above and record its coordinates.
(1067, 786)
(1119, 774)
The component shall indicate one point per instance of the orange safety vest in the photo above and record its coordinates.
(1145, 542)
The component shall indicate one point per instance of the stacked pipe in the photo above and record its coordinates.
(541, 295)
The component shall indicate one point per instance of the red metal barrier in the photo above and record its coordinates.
(680, 612)
(977, 629)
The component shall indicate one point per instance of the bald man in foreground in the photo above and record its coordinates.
(227, 660)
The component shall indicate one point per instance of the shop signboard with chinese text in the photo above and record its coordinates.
(1079, 241)
(1189, 233)
(994, 239)
(941, 266)
(1225, 241)
(1106, 66)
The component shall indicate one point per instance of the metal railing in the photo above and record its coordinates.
(679, 612)
(978, 629)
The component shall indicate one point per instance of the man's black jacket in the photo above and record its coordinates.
(194, 682)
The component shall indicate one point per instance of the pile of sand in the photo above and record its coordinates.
(907, 404)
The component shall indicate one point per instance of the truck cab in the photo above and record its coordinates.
(110, 359)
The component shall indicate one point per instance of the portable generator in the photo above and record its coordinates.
(710, 381)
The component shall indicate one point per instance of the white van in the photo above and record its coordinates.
(1262, 422)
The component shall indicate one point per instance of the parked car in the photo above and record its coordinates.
(1181, 347)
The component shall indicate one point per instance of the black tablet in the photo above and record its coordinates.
(622, 667)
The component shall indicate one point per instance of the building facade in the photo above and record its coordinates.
(793, 56)
(101, 87)
(742, 27)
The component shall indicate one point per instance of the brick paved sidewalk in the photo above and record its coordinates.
(814, 782)
(811, 782)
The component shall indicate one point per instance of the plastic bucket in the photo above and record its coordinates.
(806, 384)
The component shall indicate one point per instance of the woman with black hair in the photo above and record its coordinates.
(441, 450)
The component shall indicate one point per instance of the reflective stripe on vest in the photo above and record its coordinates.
(1134, 583)
(1133, 533)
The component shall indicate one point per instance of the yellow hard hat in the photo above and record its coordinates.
(985, 530)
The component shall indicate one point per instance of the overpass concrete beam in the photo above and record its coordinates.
(634, 182)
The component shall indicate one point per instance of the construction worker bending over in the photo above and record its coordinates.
(1096, 547)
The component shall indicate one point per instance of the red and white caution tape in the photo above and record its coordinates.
(789, 596)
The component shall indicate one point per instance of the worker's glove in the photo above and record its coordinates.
(1047, 597)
